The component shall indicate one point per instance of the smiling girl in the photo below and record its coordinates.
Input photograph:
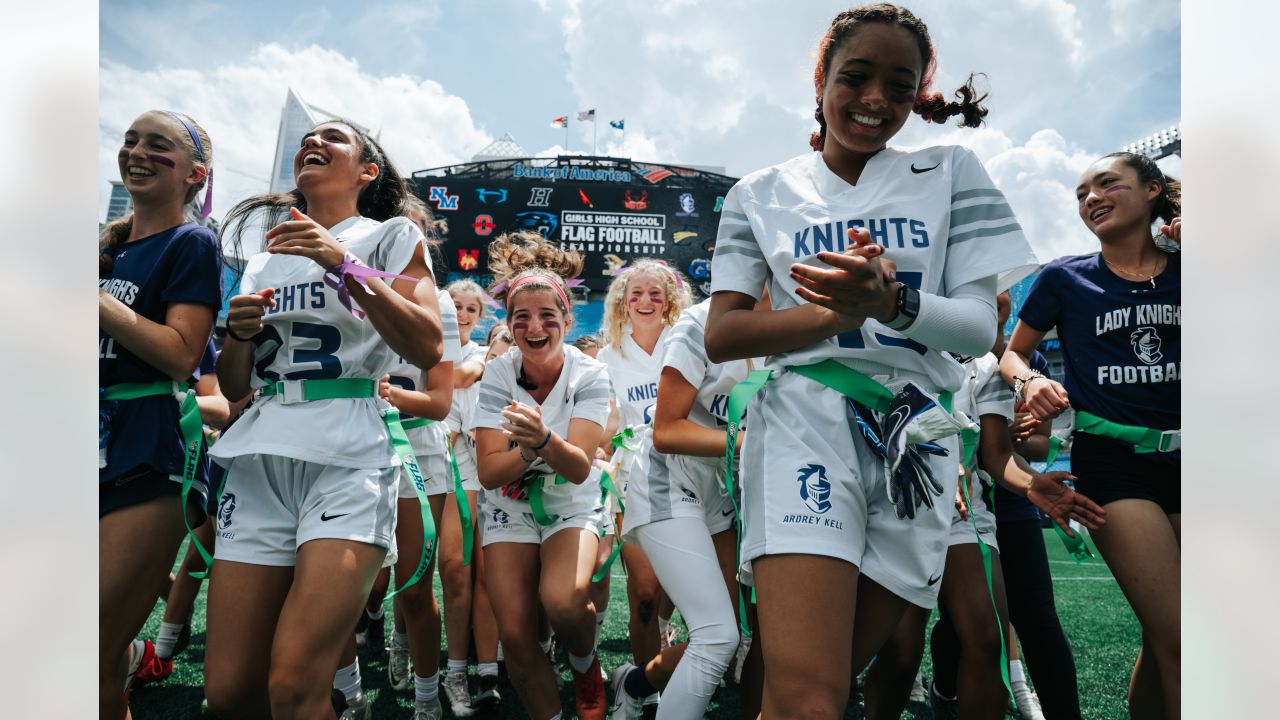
(159, 287)
(310, 497)
(542, 412)
(820, 510)
(1119, 315)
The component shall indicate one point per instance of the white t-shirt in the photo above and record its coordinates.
(634, 374)
(582, 391)
(462, 415)
(310, 335)
(686, 352)
(433, 438)
(985, 391)
(935, 211)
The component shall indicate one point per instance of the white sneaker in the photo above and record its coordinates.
(429, 710)
(744, 647)
(1027, 703)
(454, 685)
(398, 666)
(358, 710)
(486, 692)
(624, 706)
(918, 693)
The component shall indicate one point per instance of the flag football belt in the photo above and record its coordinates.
(828, 373)
(459, 495)
(1143, 440)
(296, 391)
(1076, 546)
(970, 439)
(192, 430)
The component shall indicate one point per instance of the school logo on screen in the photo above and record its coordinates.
(815, 489)
(1146, 345)
(439, 195)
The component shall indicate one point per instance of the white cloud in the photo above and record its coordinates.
(1138, 18)
(1064, 22)
(239, 103)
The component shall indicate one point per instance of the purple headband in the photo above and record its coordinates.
(207, 207)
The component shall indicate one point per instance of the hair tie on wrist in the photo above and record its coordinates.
(237, 337)
(545, 440)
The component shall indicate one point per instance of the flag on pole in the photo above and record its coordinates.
(560, 122)
(586, 115)
(618, 124)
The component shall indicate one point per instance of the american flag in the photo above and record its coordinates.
(562, 121)
(586, 115)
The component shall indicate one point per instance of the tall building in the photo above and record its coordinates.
(120, 204)
(296, 118)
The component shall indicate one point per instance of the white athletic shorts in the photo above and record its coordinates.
(271, 505)
(672, 486)
(499, 525)
(962, 531)
(464, 450)
(436, 473)
(811, 486)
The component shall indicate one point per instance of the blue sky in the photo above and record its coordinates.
(708, 83)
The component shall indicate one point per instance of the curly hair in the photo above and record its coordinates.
(933, 107)
(1168, 204)
(616, 319)
(515, 255)
(117, 232)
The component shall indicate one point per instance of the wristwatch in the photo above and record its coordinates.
(908, 307)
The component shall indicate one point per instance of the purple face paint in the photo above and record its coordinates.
(1116, 188)
(904, 98)
(551, 324)
(520, 325)
(161, 160)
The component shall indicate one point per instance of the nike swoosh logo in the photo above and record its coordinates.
(934, 580)
(727, 512)
(917, 170)
(326, 517)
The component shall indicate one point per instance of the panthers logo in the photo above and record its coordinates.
(1146, 345)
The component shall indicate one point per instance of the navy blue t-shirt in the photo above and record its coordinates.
(1121, 340)
(179, 265)
(1011, 507)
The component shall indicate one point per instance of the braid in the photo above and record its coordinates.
(113, 235)
(933, 108)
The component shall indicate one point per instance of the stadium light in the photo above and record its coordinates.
(1159, 144)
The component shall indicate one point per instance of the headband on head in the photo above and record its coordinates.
(542, 278)
(207, 207)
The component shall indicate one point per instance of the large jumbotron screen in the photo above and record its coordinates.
(612, 211)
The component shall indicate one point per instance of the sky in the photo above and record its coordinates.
(697, 82)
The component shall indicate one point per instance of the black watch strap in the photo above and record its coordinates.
(908, 307)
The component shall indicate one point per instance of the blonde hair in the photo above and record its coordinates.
(613, 329)
(469, 287)
(118, 231)
(517, 255)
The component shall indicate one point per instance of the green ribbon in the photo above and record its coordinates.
(464, 507)
(970, 437)
(1078, 548)
(364, 387)
(609, 488)
(620, 440)
(1055, 446)
(1143, 440)
(536, 506)
(739, 397)
(192, 430)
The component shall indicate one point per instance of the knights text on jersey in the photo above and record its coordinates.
(310, 335)
(935, 211)
(685, 352)
(178, 265)
(634, 374)
(582, 391)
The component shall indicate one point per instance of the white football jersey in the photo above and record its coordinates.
(582, 391)
(935, 211)
(462, 416)
(310, 335)
(686, 352)
(984, 391)
(634, 374)
(432, 438)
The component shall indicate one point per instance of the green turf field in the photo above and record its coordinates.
(1097, 620)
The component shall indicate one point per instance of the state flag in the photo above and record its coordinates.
(560, 122)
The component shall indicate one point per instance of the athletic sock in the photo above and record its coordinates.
(1016, 675)
(488, 669)
(382, 612)
(500, 656)
(166, 639)
(347, 682)
(457, 666)
(426, 689)
(637, 685)
(581, 664)
(399, 639)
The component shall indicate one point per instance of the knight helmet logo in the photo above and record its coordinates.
(1146, 345)
(815, 490)
(226, 505)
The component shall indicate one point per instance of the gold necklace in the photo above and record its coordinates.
(1151, 277)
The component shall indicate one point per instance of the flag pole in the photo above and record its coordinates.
(594, 128)
(566, 134)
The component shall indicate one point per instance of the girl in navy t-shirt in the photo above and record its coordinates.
(1118, 313)
(159, 286)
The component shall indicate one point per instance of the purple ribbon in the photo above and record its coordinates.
(352, 267)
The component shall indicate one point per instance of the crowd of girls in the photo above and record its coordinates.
(355, 428)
